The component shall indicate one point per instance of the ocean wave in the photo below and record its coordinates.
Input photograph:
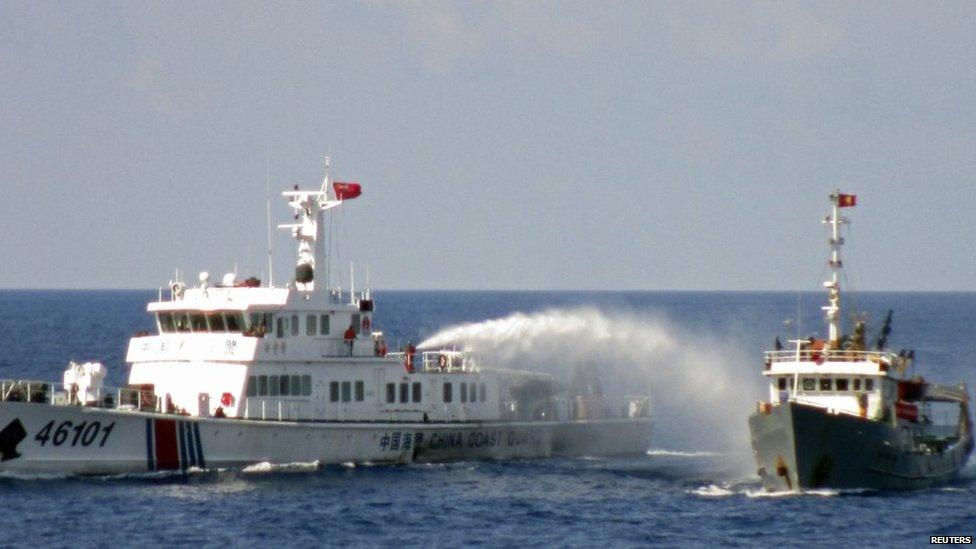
(712, 491)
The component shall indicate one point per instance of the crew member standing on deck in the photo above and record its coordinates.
(350, 338)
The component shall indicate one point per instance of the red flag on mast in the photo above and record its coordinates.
(346, 191)
(846, 200)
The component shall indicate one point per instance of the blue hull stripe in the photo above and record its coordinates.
(188, 433)
(196, 435)
(149, 444)
(179, 430)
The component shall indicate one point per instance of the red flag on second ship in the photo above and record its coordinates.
(348, 191)
(846, 200)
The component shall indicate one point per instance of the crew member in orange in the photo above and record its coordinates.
(350, 338)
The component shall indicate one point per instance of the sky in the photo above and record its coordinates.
(501, 145)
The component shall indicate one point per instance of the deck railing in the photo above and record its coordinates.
(56, 394)
(828, 355)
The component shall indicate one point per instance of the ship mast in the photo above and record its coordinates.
(833, 283)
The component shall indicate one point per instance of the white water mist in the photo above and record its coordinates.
(702, 387)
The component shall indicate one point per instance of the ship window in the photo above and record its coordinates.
(809, 384)
(360, 391)
(235, 322)
(474, 392)
(482, 393)
(792, 382)
(283, 382)
(296, 385)
(334, 391)
(306, 385)
(464, 392)
(417, 392)
(781, 383)
(310, 327)
(273, 386)
(182, 322)
(280, 328)
(355, 322)
(843, 384)
(404, 392)
(346, 391)
(294, 325)
(857, 384)
(216, 322)
(166, 322)
(868, 384)
(198, 322)
(826, 384)
(252, 386)
(448, 397)
(324, 325)
(262, 385)
(391, 392)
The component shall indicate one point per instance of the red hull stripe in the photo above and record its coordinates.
(167, 452)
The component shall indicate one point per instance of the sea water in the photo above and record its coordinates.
(698, 355)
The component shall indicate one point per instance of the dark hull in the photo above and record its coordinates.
(799, 446)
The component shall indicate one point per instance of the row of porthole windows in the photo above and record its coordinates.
(826, 384)
(343, 391)
(469, 392)
(405, 392)
(279, 386)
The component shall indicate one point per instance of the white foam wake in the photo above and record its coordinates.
(293, 467)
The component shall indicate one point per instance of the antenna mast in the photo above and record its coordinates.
(267, 182)
(833, 284)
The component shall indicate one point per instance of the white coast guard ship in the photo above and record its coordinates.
(238, 374)
(843, 416)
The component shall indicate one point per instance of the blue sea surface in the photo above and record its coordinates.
(683, 492)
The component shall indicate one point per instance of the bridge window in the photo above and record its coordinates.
(252, 386)
(417, 391)
(324, 325)
(355, 322)
(294, 325)
(235, 322)
(474, 392)
(404, 392)
(781, 383)
(346, 391)
(280, 327)
(448, 395)
(334, 391)
(296, 385)
(262, 385)
(306, 385)
(182, 322)
(826, 384)
(310, 327)
(216, 322)
(809, 384)
(360, 391)
(843, 384)
(482, 393)
(464, 392)
(273, 386)
(868, 384)
(166, 323)
(283, 381)
(198, 322)
(391, 392)
(857, 384)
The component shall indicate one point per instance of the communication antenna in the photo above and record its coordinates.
(267, 182)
